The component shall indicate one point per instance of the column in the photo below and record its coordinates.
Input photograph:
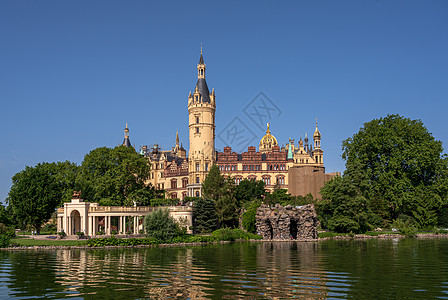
(107, 225)
(69, 226)
(89, 225)
(95, 225)
(120, 224)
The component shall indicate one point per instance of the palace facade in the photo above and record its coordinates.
(299, 168)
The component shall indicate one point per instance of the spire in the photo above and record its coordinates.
(177, 138)
(126, 141)
(316, 133)
(201, 91)
(201, 60)
(290, 155)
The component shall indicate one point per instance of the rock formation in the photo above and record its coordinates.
(285, 223)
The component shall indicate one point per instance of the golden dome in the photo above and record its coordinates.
(268, 141)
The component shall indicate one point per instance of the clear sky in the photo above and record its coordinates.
(72, 73)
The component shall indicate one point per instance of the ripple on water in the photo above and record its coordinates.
(267, 270)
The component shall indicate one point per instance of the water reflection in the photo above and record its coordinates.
(327, 270)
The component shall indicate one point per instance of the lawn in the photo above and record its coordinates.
(31, 242)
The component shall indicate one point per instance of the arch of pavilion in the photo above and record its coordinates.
(89, 218)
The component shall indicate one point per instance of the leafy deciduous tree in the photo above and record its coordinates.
(396, 167)
(35, 194)
(116, 177)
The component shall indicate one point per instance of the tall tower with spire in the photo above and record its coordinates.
(201, 111)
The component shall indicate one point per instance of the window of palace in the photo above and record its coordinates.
(267, 180)
(197, 167)
(206, 167)
(174, 184)
(197, 129)
(197, 179)
(197, 120)
(197, 193)
(184, 182)
(281, 180)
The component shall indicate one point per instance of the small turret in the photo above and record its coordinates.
(126, 141)
(316, 137)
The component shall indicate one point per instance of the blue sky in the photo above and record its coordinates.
(72, 73)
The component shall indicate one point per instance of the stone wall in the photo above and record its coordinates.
(303, 180)
(285, 223)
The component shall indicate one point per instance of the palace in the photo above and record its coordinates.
(297, 168)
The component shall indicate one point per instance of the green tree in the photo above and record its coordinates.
(161, 226)
(204, 214)
(402, 165)
(280, 196)
(223, 191)
(249, 217)
(116, 177)
(344, 208)
(35, 194)
(248, 190)
(227, 206)
(66, 174)
(214, 185)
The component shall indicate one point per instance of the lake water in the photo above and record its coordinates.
(344, 269)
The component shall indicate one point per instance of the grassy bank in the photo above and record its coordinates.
(216, 236)
(20, 242)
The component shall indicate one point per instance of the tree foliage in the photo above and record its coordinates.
(35, 194)
(206, 219)
(249, 217)
(223, 191)
(161, 226)
(396, 167)
(248, 190)
(344, 208)
(116, 177)
(214, 186)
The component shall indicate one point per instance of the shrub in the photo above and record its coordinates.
(443, 217)
(161, 226)
(8, 231)
(49, 228)
(405, 227)
(343, 224)
(4, 241)
(249, 217)
(61, 234)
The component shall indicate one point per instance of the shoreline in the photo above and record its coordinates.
(355, 237)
